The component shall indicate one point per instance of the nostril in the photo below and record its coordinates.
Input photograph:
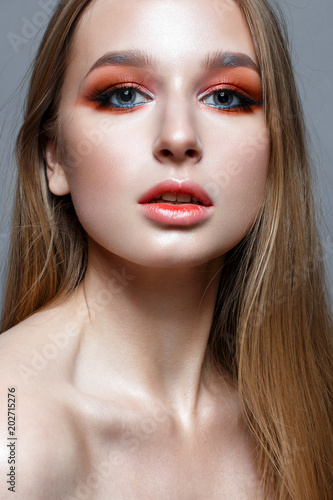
(192, 153)
(179, 154)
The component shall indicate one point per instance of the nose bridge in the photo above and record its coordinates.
(178, 115)
(178, 134)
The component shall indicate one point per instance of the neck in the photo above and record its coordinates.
(151, 327)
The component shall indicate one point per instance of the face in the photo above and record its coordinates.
(164, 145)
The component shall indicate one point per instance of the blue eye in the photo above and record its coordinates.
(222, 98)
(227, 99)
(122, 97)
(129, 97)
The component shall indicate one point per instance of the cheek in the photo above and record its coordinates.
(98, 163)
(238, 182)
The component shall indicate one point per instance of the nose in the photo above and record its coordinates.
(178, 139)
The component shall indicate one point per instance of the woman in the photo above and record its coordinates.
(165, 328)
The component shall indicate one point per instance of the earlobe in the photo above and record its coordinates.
(58, 182)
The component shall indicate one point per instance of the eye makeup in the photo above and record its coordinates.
(123, 97)
(119, 90)
(236, 89)
(227, 98)
(244, 80)
(99, 88)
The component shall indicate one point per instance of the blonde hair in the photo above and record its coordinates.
(272, 329)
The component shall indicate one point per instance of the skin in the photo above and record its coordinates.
(130, 373)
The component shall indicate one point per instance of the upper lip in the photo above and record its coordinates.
(175, 187)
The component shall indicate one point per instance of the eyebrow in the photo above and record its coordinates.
(139, 59)
(134, 58)
(229, 60)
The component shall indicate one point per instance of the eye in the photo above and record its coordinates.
(222, 98)
(228, 99)
(122, 97)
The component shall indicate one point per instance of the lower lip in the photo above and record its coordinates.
(176, 215)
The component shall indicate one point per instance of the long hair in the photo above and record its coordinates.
(272, 329)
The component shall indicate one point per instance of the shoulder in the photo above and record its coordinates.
(39, 451)
(38, 442)
(40, 345)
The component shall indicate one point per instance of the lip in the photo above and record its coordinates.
(177, 187)
(183, 214)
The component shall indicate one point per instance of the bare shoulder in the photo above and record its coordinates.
(38, 441)
(39, 342)
(39, 449)
(67, 440)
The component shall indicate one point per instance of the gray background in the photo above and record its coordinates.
(311, 34)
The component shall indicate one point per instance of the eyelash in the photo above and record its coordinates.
(102, 98)
(246, 103)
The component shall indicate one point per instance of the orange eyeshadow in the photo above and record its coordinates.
(244, 79)
(106, 77)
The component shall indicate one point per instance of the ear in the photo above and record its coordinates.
(58, 182)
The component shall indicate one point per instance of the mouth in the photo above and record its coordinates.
(173, 192)
(177, 199)
(177, 203)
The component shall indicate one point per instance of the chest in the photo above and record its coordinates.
(144, 461)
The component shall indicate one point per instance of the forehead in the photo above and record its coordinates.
(176, 33)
